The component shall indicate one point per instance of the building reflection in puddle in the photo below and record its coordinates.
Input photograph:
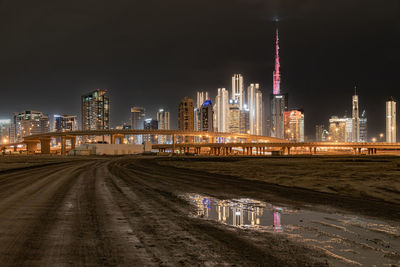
(345, 237)
(277, 219)
(238, 212)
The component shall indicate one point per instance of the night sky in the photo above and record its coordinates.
(152, 53)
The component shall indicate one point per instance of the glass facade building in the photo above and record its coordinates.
(28, 122)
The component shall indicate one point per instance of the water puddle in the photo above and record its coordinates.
(347, 238)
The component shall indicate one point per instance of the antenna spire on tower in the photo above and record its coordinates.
(277, 75)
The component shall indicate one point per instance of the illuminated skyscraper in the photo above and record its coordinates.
(28, 122)
(95, 110)
(185, 115)
(294, 125)
(279, 102)
(137, 122)
(222, 110)
(363, 127)
(255, 106)
(340, 129)
(356, 119)
(391, 120)
(234, 116)
(207, 117)
(163, 118)
(200, 99)
(150, 124)
(277, 74)
(238, 89)
(244, 121)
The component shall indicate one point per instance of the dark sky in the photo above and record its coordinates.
(152, 53)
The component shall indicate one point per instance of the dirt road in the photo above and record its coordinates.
(128, 212)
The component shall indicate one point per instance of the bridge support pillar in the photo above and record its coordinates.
(73, 142)
(315, 150)
(45, 145)
(119, 137)
(288, 151)
(31, 146)
(63, 145)
(173, 144)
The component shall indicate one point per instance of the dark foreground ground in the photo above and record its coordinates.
(128, 212)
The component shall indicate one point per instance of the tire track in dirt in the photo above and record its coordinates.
(220, 244)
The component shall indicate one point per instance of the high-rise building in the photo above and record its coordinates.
(5, 128)
(279, 101)
(279, 104)
(137, 122)
(255, 106)
(207, 117)
(185, 115)
(222, 110)
(277, 74)
(163, 118)
(319, 131)
(95, 110)
(363, 127)
(340, 129)
(28, 122)
(65, 123)
(355, 119)
(391, 120)
(238, 89)
(244, 121)
(150, 124)
(294, 125)
(234, 116)
(200, 99)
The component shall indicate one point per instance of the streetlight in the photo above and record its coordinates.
(373, 139)
(381, 135)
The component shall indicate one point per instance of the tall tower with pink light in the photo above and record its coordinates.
(279, 101)
(277, 74)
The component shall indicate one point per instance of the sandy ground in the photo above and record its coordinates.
(127, 212)
(10, 162)
(356, 177)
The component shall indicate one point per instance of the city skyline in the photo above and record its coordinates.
(315, 65)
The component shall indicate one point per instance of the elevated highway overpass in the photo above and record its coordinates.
(213, 143)
(177, 137)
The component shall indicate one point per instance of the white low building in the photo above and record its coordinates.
(111, 149)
